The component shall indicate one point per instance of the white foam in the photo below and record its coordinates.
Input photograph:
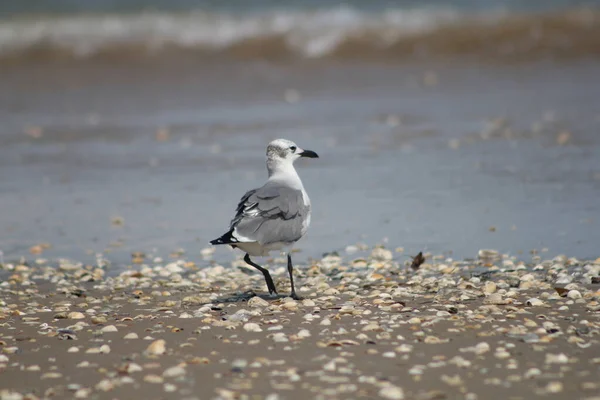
(311, 34)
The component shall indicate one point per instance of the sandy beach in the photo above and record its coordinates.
(492, 328)
(130, 130)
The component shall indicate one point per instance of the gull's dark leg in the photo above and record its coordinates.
(293, 295)
(268, 279)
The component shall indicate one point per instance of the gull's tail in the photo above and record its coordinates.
(227, 238)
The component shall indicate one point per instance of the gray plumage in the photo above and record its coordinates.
(273, 213)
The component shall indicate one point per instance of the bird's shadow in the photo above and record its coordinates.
(245, 296)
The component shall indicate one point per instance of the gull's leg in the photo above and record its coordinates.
(268, 279)
(293, 295)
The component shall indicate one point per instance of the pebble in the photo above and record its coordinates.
(257, 302)
(169, 387)
(252, 327)
(495, 299)
(489, 287)
(51, 375)
(131, 335)
(10, 395)
(280, 337)
(381, 254)
(105, 385)
(391, 392)
(556, 358)
(304, 333)
(174, 372)
(157, 347)
(98, 320)
(76, 315)
(109, 328)
(83, 393)
(554, 387)
(153, 379)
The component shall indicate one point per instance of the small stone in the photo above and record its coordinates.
(10, 350)
(532, 372)
(169, 387)
(105, 385)
(131, 335)
(174, 372)
(239, 363)
(99, 320)
(257, 302)
(556, 358)
(527, 278)
(93, 350)
(109, 328)
(304, 333)
(83, 393)
(554, 387)
(105, 349)
(371, 327)
(76, 315)
(52, 375)
(157, 347)
(8, 395)
(381, 254)
(252, 327)
(495, 299)
(454, 380)
(574, 294)
(489, 287)
(391, 392)
(280, 337)
(133, 367)
(153, 379)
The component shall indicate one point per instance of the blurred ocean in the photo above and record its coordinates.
(442, 126)
(283, 30)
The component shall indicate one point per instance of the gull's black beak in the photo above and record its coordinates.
(309, 154)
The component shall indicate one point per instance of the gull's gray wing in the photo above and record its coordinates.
(270, 214)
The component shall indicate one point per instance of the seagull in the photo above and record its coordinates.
(274, 216)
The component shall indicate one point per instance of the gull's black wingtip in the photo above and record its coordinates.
(225, 239)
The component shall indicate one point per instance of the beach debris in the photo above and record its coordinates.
(417, 261)
(391, 392)
(162, 134)
(534, 321)
(109, 329)
(156, 348)
(563, 138)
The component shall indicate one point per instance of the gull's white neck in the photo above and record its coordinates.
(283, 170)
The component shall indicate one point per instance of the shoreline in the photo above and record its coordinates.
(366, 328)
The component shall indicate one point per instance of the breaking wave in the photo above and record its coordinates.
(339, 33)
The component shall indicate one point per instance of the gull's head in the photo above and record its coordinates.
(283, 150)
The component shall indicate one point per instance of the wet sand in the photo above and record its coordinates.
(368, 327)
(105, 159)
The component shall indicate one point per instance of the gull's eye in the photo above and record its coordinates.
(293, 148)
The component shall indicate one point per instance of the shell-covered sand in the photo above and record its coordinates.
(491, 328)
